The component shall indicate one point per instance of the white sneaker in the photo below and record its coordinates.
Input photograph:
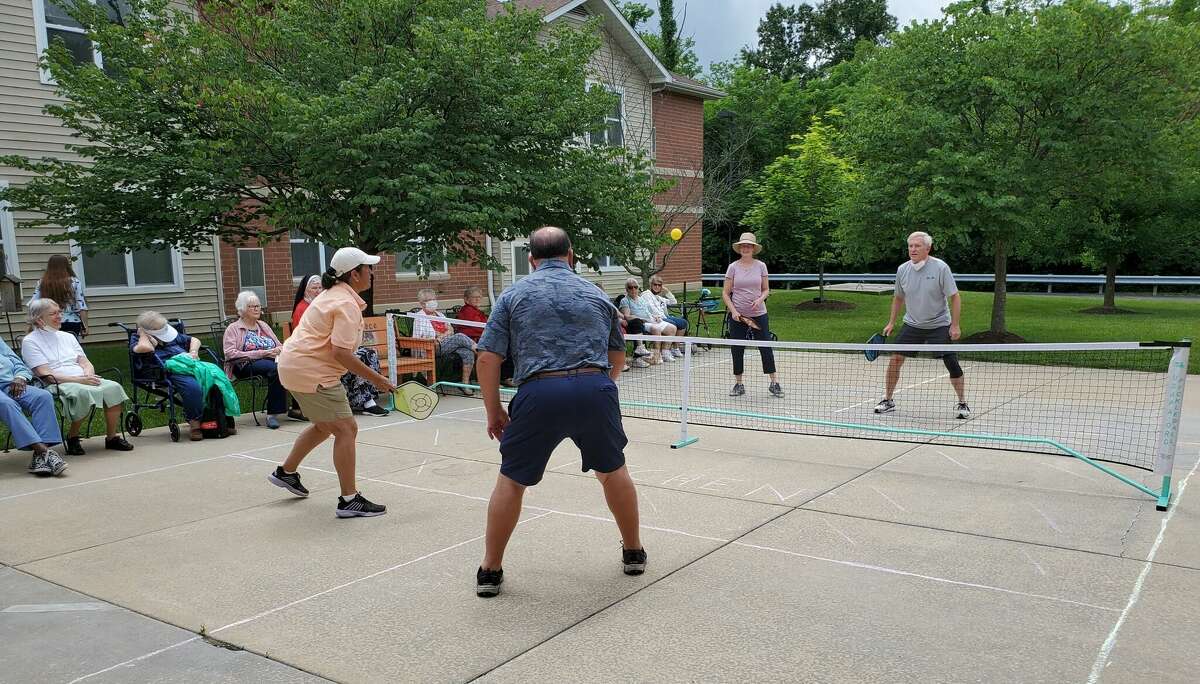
(668, 357)
(639, 363)
(640, 350)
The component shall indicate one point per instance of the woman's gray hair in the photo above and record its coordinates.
(633, 282)
(243, 300)
(473, 290)
(923, 236)
(425, 294)
(39, 307)
(151, 320)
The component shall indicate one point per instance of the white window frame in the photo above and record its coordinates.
(322, 256)
(610, 267)
(41, 38)
(242, 286)
(177, 284)
(512, 252)
(8, 234)
(615, 90)
(416, 275)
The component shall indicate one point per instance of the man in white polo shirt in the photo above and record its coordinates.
(923, 285)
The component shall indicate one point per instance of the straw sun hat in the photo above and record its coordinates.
(748, 239)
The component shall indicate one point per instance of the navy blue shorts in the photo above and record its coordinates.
(546, 411)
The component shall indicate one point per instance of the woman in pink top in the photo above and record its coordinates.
(315, 357)
(250, 348)
(746, 290)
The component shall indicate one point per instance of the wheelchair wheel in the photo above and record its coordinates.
(133, 424)
(174, 428)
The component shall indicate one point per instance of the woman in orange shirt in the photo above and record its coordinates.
(319, 351)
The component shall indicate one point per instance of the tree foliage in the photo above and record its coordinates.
(389, 124)
(803, 41)
(798, 201)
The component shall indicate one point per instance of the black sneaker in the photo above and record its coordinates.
(487, 582)
(885, 406)
(75, 447)
(358, 507)
(117, 443)
(775, 390)
(963, 411)
(376, 410)
(738, 390)
(289, 481)
(38, 464)
(634, 559)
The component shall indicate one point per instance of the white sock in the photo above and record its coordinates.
(286, 471)
(370, 403)
(347, 499)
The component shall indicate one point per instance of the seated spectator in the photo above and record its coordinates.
(54, 353)
(250, 348)
(470, 311)
(359, 392)
(430, 324)
(155, 336)
(637, 306)
(666, 299)
(39, 431)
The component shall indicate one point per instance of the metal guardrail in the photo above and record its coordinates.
(1050, 280)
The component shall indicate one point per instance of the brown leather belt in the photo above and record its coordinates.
(586, 370)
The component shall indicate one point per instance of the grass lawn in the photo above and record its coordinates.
(1037, 318)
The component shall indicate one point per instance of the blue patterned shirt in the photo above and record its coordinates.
(552, 319)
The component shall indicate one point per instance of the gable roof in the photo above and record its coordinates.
(626, 36)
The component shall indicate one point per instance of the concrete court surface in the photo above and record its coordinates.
(772, 558)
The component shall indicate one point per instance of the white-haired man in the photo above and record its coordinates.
(924, 284)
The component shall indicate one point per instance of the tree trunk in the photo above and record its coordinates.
(1110, 284)
(820, 281)
(1000, 292)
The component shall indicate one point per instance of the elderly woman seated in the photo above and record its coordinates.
(250, 348)
(430, 324)
(37, 432)
(643, 306)
(52, 353)
(193, 379)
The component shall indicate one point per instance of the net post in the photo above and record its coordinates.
(1164, 461)
(392, 357)
(684, 440)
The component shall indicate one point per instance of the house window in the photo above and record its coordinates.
(520, 261)
(252, 273)
(52, 23)
(612, 130)
(308, 256)
(144, 269)
(8, 240)
(608, 263)
(407, 263)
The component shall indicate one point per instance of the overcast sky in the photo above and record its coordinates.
(722, 27)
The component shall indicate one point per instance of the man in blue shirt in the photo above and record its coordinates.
(37, 432)
(566, 338)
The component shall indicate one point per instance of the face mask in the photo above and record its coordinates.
(918, 265)
(431, 304)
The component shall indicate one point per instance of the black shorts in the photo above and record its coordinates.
(912, 335)
(584, 408)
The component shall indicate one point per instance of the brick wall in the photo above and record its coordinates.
(679, 145)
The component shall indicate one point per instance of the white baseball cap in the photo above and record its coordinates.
(347, 259)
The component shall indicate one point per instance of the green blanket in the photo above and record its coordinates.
(207, 375)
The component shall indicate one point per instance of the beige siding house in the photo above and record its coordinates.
(118, 286)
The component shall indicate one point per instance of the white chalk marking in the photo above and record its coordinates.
(436, 435)
(947, 457)
(134, 660)
(842, 534)
(1046, 518)
(889, 499)
(902, 389)
(1064, 470)
(1035, 563)
(114, 477)
(1111, 642)
(57, 607)
(931, 578)
(373, 575)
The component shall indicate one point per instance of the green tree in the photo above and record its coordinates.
(394, 125)
(797, 201)
(679, 53)
(803, 41)
(668, 31)
(981, 126)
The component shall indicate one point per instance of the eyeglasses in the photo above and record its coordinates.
(655, 284)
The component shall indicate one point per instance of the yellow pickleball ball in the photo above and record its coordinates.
(676, 234)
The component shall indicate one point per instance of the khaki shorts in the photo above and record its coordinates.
(325, 405)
